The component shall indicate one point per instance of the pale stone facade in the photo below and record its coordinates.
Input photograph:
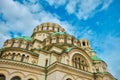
(50, 54)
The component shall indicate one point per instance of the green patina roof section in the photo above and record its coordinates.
(95, 58)
(27, 38)
(68, 49)
(101, 72)
(55, 33)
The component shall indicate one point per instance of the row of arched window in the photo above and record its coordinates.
(66, 40)
(49, 28)
(80, 62)
(16, 56)
(3, 77)
(20, 44)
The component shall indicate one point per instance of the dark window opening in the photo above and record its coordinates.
(46, 62)
(2, 77)
(22, 58)
(68, 79)
(27, 46)
(13, 56)
(16, 78)
(83, 43)
(12, 43)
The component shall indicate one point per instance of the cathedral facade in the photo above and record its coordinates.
(50, 54)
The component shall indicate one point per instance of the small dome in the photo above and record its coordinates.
(27, 38)
(95, 58)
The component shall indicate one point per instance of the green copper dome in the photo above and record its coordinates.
(27, 38)
(95, 58)
(55, 33)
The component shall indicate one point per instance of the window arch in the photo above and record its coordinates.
(13, 56)
(2, 77)
(16, 78)
(68, 79)
(80, 62)
(31, 79)
(22, 58)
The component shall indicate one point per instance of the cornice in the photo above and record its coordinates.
(21, 66)
(19, 49)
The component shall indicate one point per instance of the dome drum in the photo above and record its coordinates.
(18, 43)
(70, 40)
(49, 27)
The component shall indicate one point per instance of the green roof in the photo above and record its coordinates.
(68, 49)
(55, 33)
(27, 38)
(101, 72)
(95, 58)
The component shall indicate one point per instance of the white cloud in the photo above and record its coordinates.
(83, 9)
(20, 17)
(56, 3)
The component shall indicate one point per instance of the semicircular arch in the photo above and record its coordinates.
(19, 74)
(75, 51)
(67, 76)
(31, 76)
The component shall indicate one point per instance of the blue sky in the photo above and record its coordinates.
(95, 20)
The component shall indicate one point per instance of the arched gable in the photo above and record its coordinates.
(82, 53)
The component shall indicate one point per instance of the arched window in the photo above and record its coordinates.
(80, 62)
(83, 43)
(2, 77)
(30, 79)
(68, 79)
(12, 43)
(27, 46)
(16, 78)
(20, 43)
(13, 56)
(46, 62)
(22, 58)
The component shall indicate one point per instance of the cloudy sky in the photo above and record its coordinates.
(95, 20)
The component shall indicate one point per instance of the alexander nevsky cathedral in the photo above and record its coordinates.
(50, 54)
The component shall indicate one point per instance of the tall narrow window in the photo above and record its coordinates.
(27, 46)
(46, 62)
(58, 29)
(2, 77)
(53, 28)
(20, 44)
(13, 56)
(22, 58)
(72, 41)
(65, 40)
(41, 27)
(57, 40)
(12, 43)
(16, 78)
(83, 43)
(79, 63)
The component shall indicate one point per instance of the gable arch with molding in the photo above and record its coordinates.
(80, 54)
(19, 74)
